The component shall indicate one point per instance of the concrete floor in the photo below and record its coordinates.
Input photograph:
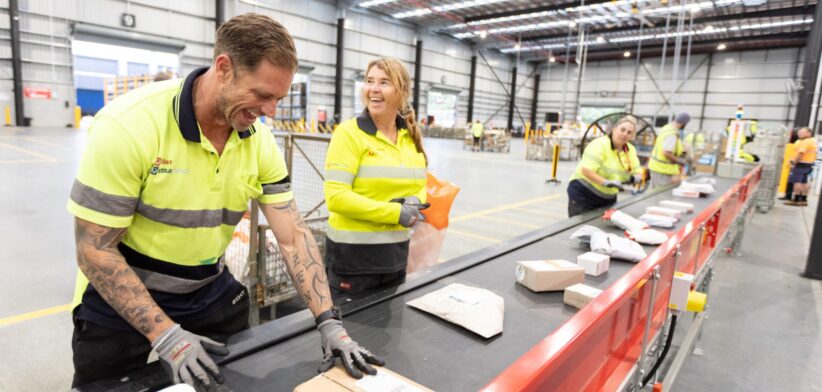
(502, 196)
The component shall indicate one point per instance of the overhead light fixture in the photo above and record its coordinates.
(721, 47)
(626, 54)
(517, 47)
(572, 24)
(445, 8)
(483, 34)
(374, 3)
(552, 59)
(600, 39)
(709, 28)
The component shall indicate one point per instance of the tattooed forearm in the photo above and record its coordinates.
(106, 270)
(301, 254)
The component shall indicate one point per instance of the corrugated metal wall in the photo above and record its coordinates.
(755, 79)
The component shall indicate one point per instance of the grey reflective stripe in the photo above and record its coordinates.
(368, 237)
(391, 172)
(598, 192)
(339, 176)
(271, 189)
(172, 284)
(190, 219)
(93, 199)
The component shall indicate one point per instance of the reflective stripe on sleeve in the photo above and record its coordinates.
(273, 189)
(105, 203)
(190, 219)
(339, 176)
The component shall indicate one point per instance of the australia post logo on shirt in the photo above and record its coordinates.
(164, 166)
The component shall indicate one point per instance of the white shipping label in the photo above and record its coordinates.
(466, 297)
(384, 382)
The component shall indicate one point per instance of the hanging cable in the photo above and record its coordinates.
(661, 358)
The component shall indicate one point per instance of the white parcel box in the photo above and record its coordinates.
(595, 264)
(580, 295)
(549, 275)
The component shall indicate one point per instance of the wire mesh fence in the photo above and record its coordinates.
(253, 256)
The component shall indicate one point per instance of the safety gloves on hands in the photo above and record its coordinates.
(184, 357)
(337, 343)
(682, 161)
(636, 179)
(410, 211)
(613, 184)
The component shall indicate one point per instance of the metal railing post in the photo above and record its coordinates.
(640, 374)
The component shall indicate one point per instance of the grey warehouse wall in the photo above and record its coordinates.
(46, 43)
(755, 79)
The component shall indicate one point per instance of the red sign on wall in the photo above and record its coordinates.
(37, 93)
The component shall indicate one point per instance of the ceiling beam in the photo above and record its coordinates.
(788, 11)
(558, 7)
(741, 43)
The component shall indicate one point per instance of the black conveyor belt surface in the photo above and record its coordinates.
(434, 352)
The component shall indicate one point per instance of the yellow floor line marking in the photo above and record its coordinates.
(33, 315)
(509, 221)
(472, 235)
(45, 143)
(504, 207)
(27, 151)
(543, 212)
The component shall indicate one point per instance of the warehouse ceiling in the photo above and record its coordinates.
(542, 29)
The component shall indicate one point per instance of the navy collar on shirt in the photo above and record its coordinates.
(367, 125)
(183, 107)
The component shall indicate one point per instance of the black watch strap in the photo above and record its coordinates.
(333, 313)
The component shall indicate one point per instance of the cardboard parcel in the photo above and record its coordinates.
(337, 380)
(475, 309)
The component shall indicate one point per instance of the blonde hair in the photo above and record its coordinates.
(398, 75)
(629, 119)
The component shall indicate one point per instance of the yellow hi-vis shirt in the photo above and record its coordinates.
(601, 157)
(147, 167)
(658, 163)
(807, 149)
(363, 172)
(477, 129)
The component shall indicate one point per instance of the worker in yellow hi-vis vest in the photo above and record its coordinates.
(668, 155)
(375, 186)
(477, 129)
(167, 174)
(608, 162)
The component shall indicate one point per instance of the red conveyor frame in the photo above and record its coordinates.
(597, 348)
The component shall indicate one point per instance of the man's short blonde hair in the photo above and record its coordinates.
(248, 38)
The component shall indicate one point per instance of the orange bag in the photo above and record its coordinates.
(441, 195)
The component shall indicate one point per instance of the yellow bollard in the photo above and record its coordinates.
(8, 115)
(78, 115)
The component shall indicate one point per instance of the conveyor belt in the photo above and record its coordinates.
(422, 347)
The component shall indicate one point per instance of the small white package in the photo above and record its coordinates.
(665, 222)
(669, 212)
(647, 236)
(584, 233)
(623, 220)
(548, 275)
(702, 188)
(617, 247)
(687, 193)
(580, 295)
(595, 264)
(678, 205)
(475, 309)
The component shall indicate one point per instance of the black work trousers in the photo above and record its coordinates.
(102, 353)
(349, 287)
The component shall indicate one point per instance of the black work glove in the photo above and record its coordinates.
(336, 343)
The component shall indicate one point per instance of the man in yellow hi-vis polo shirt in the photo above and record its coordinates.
(802, 165)
(167, 174)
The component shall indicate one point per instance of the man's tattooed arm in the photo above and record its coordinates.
(106, 269)
(301, 254)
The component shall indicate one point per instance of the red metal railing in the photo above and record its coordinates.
(596, 349)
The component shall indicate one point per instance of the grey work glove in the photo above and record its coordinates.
(682, 161)
(184, 357)
(613, 184)
(337, 343)
(410, 211)
(637, 179)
